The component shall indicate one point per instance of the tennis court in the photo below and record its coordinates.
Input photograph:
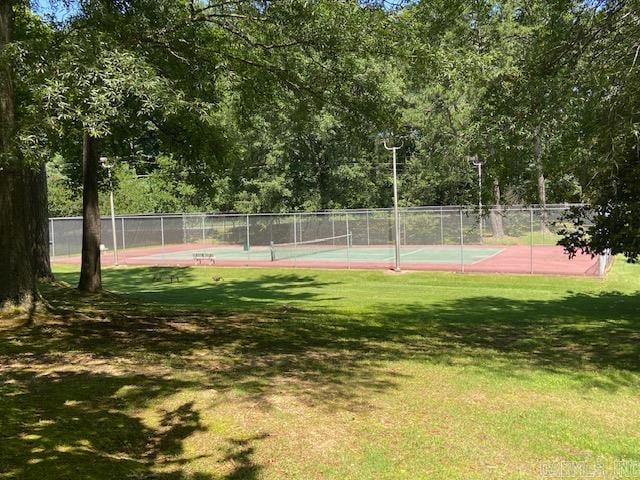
(446, 238)
(342, 256)
(547, 260)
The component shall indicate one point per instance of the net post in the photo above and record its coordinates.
(349, 243)
(461, 242)
(531, 239)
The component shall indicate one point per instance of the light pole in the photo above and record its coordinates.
(475, 160)
(106, 165)
(395, 205)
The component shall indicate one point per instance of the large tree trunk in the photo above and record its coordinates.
(17, 279)
(90, 272)
(40, 223)
(495, 216)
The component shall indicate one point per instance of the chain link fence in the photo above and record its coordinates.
(501, 240)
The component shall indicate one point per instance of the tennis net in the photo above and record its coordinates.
(283, 251)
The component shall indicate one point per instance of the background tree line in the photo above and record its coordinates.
(253, 106)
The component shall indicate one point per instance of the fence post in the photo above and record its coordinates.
(404, 229)
(52, 235)
(124, 245)
(531, 238)
(461, 243)
(441, 226)
(184, 229)
(204, 235)
(368, 234)
(603, 262)
(295, 231)
(333, 228)
(346, 216)
(247, 241)
(271, 229)
(162, 230)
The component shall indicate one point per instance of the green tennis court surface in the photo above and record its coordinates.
(411, 254)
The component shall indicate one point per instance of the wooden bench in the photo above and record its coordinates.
(199, 258)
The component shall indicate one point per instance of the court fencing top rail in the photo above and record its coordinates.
(502, 239)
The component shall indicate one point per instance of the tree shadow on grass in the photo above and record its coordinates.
(62, 419)
(239, 452)
(76, 424)
(184, 287)
(579, 335)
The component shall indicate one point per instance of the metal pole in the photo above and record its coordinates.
(124, 245)
(295, 230)
(347, 224)
(113, 225)
(204, 235)
(295, 241)
(531, 237)
(461, 243)
(368, 233)
(478, 163)
(103, 160)
(395, 207)
(53, 240)
(404, 230)
(247, 241)
(333, 228)
(480, 197)
(441, 227)
(162, 230)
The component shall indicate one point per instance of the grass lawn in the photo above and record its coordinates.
(256, 373)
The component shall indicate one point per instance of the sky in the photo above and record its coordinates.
(55, 9)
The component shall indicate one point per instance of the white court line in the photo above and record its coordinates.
(487, 257)
(404, 254)
(482, 259)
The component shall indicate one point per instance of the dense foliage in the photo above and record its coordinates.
(244, 105)
(286, 110)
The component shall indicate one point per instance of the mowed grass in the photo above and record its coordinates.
(210, 373)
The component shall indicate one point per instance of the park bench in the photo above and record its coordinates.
(199, 258)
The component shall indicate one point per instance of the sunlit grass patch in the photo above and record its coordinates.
(322, 374)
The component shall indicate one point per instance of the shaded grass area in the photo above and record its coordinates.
(246, 373)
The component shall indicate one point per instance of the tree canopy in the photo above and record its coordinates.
(253, 106)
